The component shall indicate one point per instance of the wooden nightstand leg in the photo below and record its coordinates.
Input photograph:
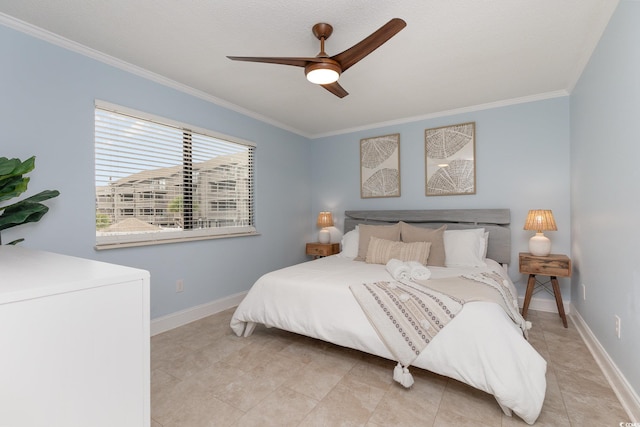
(527, 296)
(558, 295)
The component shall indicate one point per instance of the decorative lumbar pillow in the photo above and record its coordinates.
(387, 232)
(349, 244)
(411, 233)
(381, 251)
(464, 248)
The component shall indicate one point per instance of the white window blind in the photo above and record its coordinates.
(159, 181)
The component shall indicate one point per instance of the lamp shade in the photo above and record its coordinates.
(322, 73)
(540, 220)
(325, 219)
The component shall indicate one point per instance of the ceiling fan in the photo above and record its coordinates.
(325, 70)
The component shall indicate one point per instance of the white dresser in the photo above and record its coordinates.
(74, 342)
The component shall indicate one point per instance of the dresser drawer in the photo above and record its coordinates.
(551, 265)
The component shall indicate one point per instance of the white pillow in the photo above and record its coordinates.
(464, 248)
(350, 243)
(484, 242)
(484, 238)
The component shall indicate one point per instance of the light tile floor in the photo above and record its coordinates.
(203, 375)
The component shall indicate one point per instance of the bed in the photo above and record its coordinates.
(483, 344)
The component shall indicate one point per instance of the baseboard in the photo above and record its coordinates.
(546, 305)
(623, 390)
(180, 318)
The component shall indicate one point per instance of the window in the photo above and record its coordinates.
(159, 181)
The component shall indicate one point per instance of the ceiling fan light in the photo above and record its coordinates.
(322, 73)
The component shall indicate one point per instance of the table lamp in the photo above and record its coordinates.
(540, 220)
(324, 220)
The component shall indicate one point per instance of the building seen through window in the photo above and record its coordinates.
(168, 181)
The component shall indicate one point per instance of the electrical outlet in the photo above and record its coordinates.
(584, 292)
(617, 326)
(179, 285)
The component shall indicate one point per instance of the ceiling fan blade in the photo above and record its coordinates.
(358, 51)
(336, 89)
(298, 62)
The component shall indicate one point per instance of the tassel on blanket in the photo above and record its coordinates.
(402, 375)
(527, 327)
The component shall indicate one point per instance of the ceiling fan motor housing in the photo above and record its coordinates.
(325, 72)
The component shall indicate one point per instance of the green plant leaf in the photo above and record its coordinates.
(12, 186)
(22, 213)
(13, 167)
(7, 166)
(27, 210)
(41, 196)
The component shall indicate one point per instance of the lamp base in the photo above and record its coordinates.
(540, 245)
(324, 236)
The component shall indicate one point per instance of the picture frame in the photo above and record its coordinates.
(380, 166)
(450, 160)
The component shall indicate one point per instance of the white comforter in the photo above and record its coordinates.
(481, 346)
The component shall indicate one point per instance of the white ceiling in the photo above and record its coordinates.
(452, 56)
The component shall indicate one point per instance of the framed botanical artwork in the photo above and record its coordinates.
(450, 160)
(380, 166)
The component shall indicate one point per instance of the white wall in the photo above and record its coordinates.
(47, 107)
(605, 185)
(522, 163)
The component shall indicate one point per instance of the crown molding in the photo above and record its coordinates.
(70, 45)
(470, 109)
(81, 49)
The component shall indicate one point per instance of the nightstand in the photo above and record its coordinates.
(322, 249)
(553, 265)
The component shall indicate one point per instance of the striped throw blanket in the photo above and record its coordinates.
(408, 315)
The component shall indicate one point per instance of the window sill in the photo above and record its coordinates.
(107, 246)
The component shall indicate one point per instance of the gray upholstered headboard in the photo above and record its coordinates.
(495, 221)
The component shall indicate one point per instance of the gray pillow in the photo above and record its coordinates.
(411, 233)
(387, 232)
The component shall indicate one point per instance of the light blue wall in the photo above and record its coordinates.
(576, 156)
(46, 110)
(522, 163)
(605, 189)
